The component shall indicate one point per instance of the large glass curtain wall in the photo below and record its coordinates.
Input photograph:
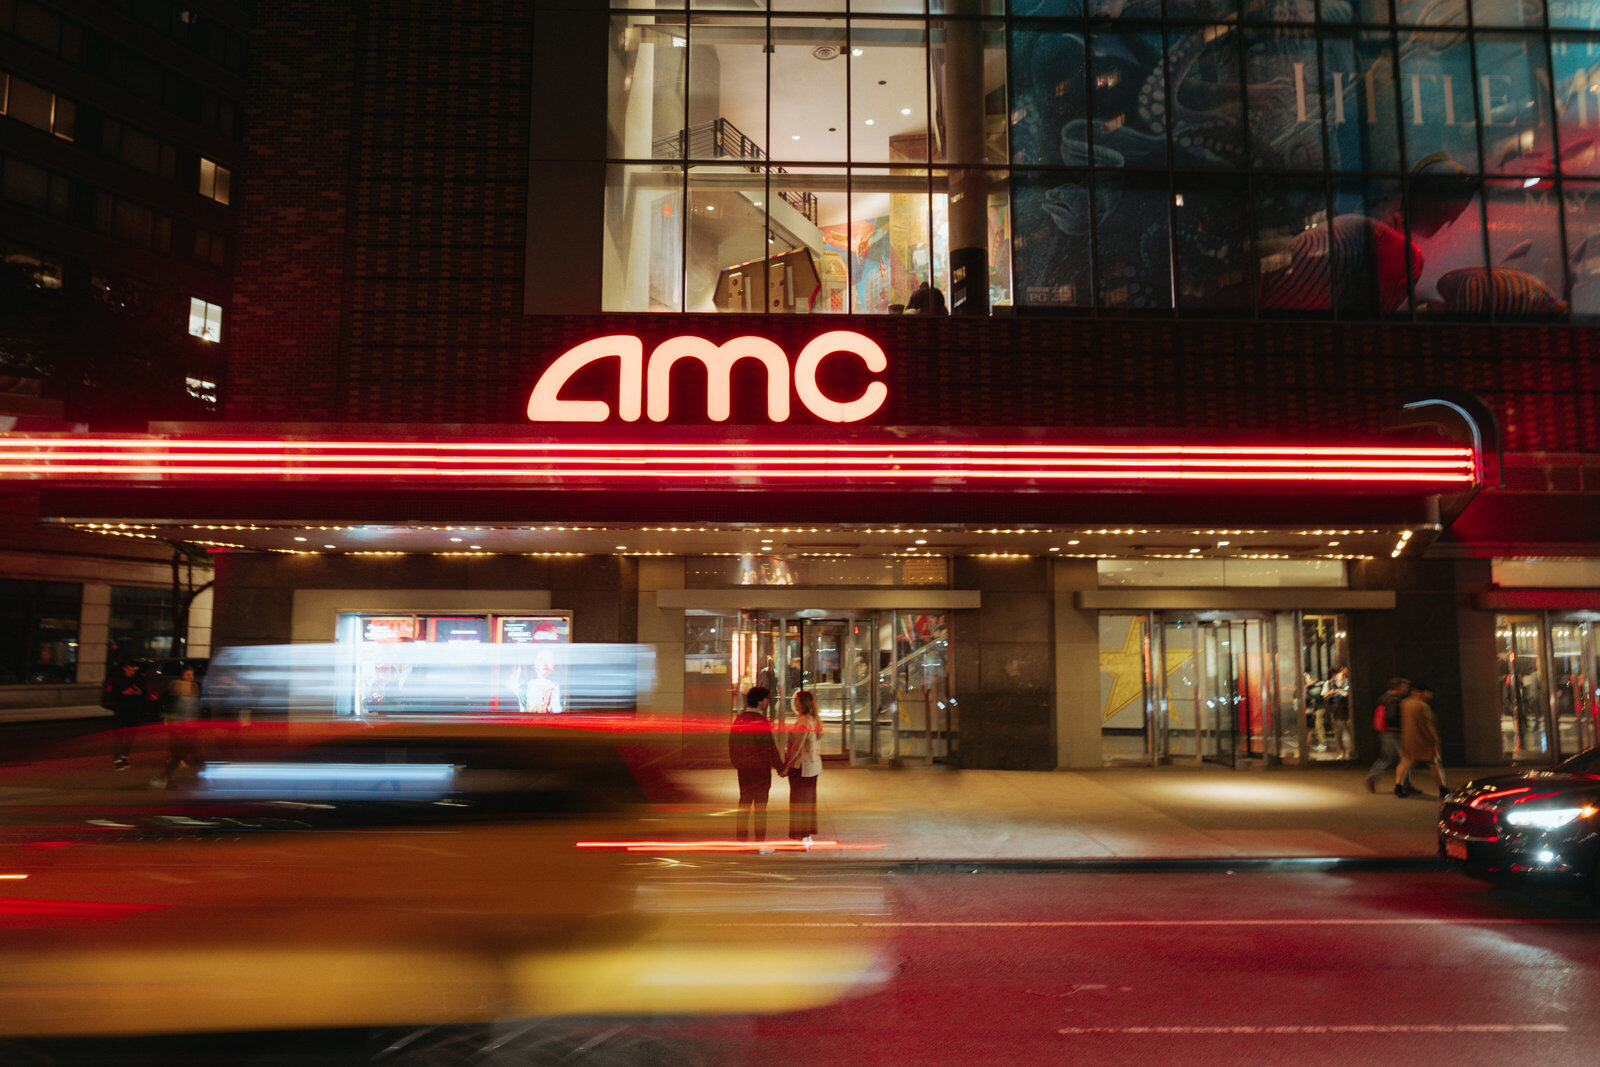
(1321, 158)
(1549, 678)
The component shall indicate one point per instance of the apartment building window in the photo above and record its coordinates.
(38, 107)
(45, 29)
(139, 149)
(133, 222)
(210, 248)
(215, 181)
(47, 272)
(34, 187)
(205, 319)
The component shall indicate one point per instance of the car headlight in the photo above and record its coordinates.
(1547, 818)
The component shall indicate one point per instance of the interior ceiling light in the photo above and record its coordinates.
(905, 111)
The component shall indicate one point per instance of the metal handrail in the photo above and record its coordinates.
(721, 139)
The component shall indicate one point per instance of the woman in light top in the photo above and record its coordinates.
(802, 762)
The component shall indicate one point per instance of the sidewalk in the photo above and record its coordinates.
(1118, 817)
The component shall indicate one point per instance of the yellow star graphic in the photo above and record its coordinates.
(1126, 667)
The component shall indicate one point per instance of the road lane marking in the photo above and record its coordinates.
(1330, 1028)
(1082, 923)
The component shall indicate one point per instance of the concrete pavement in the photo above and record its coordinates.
(1179, 815)
(1117, 816)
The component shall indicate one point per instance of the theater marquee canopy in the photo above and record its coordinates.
(674, 489)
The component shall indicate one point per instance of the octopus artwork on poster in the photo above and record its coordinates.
(1362, 170)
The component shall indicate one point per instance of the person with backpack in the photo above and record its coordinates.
(754, 755)
(1386, 721)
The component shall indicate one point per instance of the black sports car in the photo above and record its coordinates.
(1537, 826)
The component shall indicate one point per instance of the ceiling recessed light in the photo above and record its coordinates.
(922, 540)
(794, 137)
(299, 538)
(1221, 543)
(455, 539)
(711, 207)
(327, 546)
(857, 52)
(757, 203)
(475, 546)
(905, 111)
(1055, 550)
(869, 122)
(622, 548)
(1072, 542)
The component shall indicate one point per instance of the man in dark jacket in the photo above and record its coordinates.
(128, 699)
(755, 756)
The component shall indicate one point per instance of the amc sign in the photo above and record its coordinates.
(645, 387)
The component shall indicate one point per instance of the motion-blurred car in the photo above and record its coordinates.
(1537, 826)
(416, 890)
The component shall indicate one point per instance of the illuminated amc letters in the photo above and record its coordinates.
(646, 388)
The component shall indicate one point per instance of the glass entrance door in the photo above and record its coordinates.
(1217, 690)
(1575, 655)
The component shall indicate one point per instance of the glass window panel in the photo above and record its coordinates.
(1280, 10)
(809, 5)
(888, 91)
(1444, 216)
(969, 83)
(1581, 201)
(1512, 85)
(1211, 244)
(855, 256)
(1133, 242)
(1047, 8)
(1372, 265)
(725, 228)
(1128, 101)
(1446, 223)
(1291, 254)
(1048, 94)
(1366, 12)
(1577, 103)
(887, 7)
(1528, 13)
(1285, 108)
(1197, 9)
(1360, 102)
(802, 202)
(1526, 278)
(1520, 645)
(920, 236)
(643, 252)
(25, 183)
(647, 58)
(1430, 12)
(29, 103)
(887, 223)
(1574, 15)
(1052, 241)
(1437, 105)
(810, 90)
(1207, 98)
(966, 7)
(727, 80)
(1000, 283)
(39, 631)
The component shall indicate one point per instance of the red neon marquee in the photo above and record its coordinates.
(66, 458)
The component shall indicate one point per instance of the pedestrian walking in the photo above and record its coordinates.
(802, 763)
(128, 699)
(1419, 740)
(754, 755)
(1386, 721)
(180, 711)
